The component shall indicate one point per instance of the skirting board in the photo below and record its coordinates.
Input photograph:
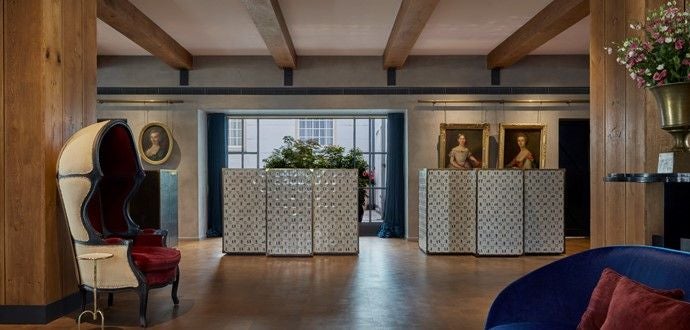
(39, 314)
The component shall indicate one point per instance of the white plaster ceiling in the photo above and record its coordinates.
(341, 27)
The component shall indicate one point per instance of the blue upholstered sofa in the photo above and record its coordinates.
(556, 295)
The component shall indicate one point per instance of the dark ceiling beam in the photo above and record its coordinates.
(127, 19)
(269, 21)
(555, 18)
(409, 23)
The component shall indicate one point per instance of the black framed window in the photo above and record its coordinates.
(259, 136)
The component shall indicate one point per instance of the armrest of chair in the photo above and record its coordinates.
(556, 294)
(151, 237)
(113, 273)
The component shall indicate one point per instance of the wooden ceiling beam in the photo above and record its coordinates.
(269, 20)
(409, 23)
(555, 18)
(127, 19)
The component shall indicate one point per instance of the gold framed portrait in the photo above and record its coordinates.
(522, 146)
(155, 143)
(463, 146)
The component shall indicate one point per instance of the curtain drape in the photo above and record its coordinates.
(394, 207)
(217, 159)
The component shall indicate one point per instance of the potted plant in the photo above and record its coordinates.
(296, 153)
(661, 62)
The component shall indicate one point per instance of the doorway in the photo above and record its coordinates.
(573, 156)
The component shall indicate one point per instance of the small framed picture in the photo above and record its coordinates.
(521, 146)
(463, 146)
(155, 143)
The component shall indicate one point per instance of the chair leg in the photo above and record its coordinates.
(174, 287)
(83, 298)
(143, 300)
(110, 299)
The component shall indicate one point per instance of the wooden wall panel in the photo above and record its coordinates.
(625, 133)
(597, 108)
(89, 56)
(53, 122)
(3, 248)
(24, 170)
(50, 94)
(615, 107)
(635, 155)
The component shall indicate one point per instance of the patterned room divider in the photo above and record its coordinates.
(336, 229)
(500, 212)
(544, 232)
(289, 212)
(244, 211)
(448, 214)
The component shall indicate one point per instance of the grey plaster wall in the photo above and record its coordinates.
(183, 126)
(423, 120)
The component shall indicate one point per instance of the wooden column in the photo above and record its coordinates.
(49, 92)
(3, 247)
(625, 133)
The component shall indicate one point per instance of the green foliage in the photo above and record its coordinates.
(310, 154)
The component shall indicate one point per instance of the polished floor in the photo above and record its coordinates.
(390, 285)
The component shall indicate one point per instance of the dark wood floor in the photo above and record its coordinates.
(390, 285)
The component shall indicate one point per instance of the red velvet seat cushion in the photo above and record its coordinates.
(634, 306)
(151, 259)
(160, 277)
(598, 307)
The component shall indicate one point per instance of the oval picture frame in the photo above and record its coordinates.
(147, 152)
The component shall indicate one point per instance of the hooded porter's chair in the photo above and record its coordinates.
(98, 173)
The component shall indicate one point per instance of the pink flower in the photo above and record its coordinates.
(679, 44)
(640, 81)
(659, 76)
(686, 62)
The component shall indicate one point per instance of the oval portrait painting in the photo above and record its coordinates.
(155, 143)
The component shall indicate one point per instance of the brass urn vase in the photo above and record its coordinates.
(674, 104)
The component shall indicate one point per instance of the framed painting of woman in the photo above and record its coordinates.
(463, 146)
(521, 146)
(155, 143)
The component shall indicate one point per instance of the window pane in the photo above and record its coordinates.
(362, 137)
(320, 130)
(250, 140)
(250, 161)
(379, 169)
(343, 133)
(234, 161)
(379, 135)
(272, 132)
(234, 134)
(377, 201)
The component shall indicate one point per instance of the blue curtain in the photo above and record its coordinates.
(217, 159)
(394, 208)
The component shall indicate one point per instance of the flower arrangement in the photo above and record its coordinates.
(662, 57)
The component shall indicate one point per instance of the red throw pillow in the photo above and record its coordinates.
(633, 306)
(598, 307)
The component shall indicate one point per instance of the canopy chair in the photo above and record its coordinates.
(98, 173)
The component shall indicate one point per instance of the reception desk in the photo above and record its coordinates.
(491, 212)
(290, 212)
